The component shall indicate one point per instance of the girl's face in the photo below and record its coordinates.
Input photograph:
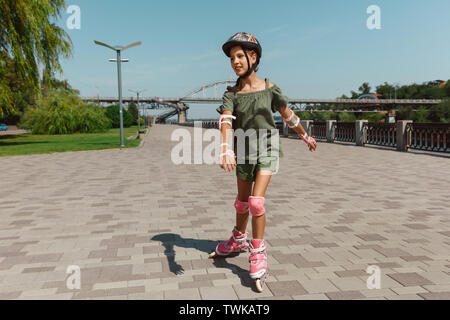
(238, 60)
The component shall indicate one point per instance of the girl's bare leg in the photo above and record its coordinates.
(244, 191)
(259, 190)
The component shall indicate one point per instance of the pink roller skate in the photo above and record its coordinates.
(237, 243)
(258, 262)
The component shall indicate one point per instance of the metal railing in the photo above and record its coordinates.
(433, 137)
(344, 131)
(319, 130)
(383, 134)
(428, 136)
(205, 124)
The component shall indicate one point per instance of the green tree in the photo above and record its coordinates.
(63, 112)
(404, 113)
(134, 111)
(346, 117)
(304, 115)
(29, 35)
(113, 113)
(433, 93)
(15, 95)
(441, 112)
(447, 89)
(354, 94)
(373, 117)
(386, 90)
(421, 115)
(365, 88)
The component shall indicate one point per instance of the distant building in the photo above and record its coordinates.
(440, 83)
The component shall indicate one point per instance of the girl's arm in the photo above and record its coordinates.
(287, 113)
(227, 162)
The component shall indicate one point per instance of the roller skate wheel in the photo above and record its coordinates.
(213, 255)
(259, 285)
(261, 281)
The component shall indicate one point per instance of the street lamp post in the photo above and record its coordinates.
(119, 50)
(139, 122)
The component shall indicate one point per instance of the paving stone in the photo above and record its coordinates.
(124, 291)
(218, 293)
(63, 296)
(214, 276)
(410, 279)
(408, 270)
(320, 275)
(437, 288)
(226, 282)
(329, 269)
(406, 297)
(349, 283)
(196, 284)
(437, 277)
(146, 296)
(351, 273)
(339, 229)
(384, 265)
(284, 298)
(182, 294)
(376, 293)
(435, 295)
(287, 288)
(368, 254)
(409, 290)
(109, 297)
(130, 245)
(345, 295)
(371, 237)
(319, 296)
(89, 294)
(415, 258)
(318, 286)
(110, 285)
(9, 295)
(249, 292)
(392, 252)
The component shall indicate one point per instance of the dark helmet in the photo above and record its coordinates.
(247, 42)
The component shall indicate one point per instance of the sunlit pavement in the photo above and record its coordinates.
(139, 227)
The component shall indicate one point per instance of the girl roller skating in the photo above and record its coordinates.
(250, 105)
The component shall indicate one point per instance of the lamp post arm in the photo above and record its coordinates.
(105, 45)
(131, 45)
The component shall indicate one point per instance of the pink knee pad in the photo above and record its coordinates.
(241, 206)
(256, 206)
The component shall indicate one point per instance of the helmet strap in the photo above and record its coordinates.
(249, 71)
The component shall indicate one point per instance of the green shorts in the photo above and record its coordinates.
(247, 171)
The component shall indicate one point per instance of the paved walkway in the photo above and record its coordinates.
(12, 130)
(140, 227)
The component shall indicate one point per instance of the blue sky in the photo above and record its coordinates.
(311, 49)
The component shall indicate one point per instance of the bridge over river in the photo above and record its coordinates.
(209, 94)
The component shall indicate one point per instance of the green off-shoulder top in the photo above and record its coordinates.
(254, 110)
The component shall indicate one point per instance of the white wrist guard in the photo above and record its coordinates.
(226, 116)
(308, 139)
(291, 118)
(229, 152)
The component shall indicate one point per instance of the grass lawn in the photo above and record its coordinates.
(27, 143)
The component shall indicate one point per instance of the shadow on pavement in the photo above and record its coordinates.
(170, 240)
